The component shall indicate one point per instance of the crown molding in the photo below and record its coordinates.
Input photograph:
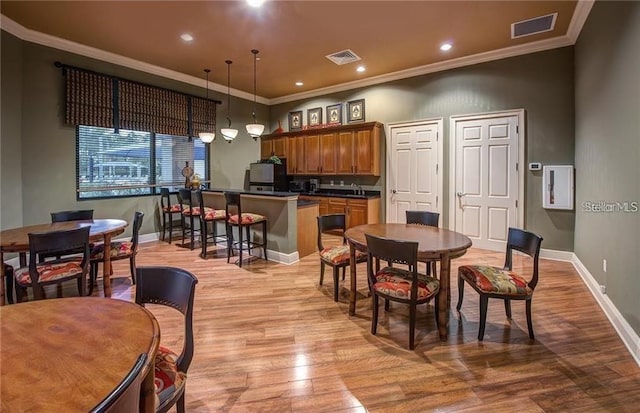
(583, 8)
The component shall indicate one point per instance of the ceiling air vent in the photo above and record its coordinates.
(533, 26)
(343, 57)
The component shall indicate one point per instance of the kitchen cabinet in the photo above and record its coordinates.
(338, 150)
(357, 211)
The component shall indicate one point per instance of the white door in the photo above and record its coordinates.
(485, 189)
(413, 182)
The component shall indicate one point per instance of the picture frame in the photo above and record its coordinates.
(295, 120)
(334, 114)
(355, 111)
(314, 117)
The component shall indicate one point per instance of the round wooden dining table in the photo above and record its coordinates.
(68, 354)
(17, 240)
(433, 244)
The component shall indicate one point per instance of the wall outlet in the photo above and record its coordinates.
(604, 265)
(603, 289)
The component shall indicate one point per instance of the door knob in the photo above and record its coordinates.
(393, 191)
(460, 194)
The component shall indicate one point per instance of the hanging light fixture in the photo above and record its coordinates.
(207, 137)
(254, 129)
(229, 133)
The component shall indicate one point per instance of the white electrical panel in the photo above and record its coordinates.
(557, 186)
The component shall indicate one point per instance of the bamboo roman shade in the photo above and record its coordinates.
(94, 99)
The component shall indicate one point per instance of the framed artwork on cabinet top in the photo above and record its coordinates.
(355, 111)
(334, 114)
(295, 120)
(314, 117)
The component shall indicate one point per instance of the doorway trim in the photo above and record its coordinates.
(521, 167)
(440, 167)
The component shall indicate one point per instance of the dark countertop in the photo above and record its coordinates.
(305, 203)
(261, 193)
(344, 193)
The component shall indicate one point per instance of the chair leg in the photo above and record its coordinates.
(132, 268)
(428, 268)
(170, 227)
(264, 239)
(529, 320)
(484, 302)
(183, 223)
(387, 305)
(374, 318)
(192, 233)
(229, 241)
(460, 292)
(240, 244)
(336, 279)
(412, 326)
(436, 307)
(321, 271)
(180, 404)
(203, 238)
(20, 292)
(164, 224)
(343, 272)
(8, 278)
(507, 307)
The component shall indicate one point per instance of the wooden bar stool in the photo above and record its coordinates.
(190, 211)
(213, 216)
(237, 218)
(168, 211)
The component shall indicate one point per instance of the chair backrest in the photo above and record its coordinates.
(393, 251)
(137, 224)
(527, 243)
(186, 197)
(165, 198)
(63, 216)
(423, 218)
(175, 288)
(125, 398)
(233, 206)
(328, 223)
(57, 243)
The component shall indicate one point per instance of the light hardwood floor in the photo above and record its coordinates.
(269, 338)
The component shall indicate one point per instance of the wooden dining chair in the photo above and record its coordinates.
(77, 215)
(175, 288)
(69, 266)
(337, 256)
(401, 285)
(125, 398)
(118, 250)
(430, 219)
(503, 283)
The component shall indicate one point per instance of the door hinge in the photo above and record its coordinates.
(516, 166)
(437, 136)
(437, 168)
(436, 201)
(516, 203)
(517, 129)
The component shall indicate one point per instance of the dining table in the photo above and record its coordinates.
(433, 244)
(16, 240)
(68, 354)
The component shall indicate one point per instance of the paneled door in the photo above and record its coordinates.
(414, 181)
(486, 184)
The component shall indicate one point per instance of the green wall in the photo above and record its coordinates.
(608, 150)
(540, 83)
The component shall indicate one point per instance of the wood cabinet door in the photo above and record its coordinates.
(363, 153)
(266, 148)
(279, 147)
(312, 154)
(328, 153)
(344, 153)
(323, 208)
(356, 212)
(295, 155)
(337, 206)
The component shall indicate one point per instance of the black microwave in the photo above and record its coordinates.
(298, 185)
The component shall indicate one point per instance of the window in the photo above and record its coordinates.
(123, 164)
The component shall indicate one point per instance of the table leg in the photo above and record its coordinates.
(106, 266)
(444, 296)
(2, 275)
(147, 390)
(352, 276)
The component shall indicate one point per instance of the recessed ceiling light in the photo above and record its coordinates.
(255, 3)
(361, 69)
(186, 37)
(299, 83)
(445, 47)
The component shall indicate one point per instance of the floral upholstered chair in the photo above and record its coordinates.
(337, 257)
(175, 288)
(503, 283)
(430, 219)
(168, 211)
(209, 216)
(242, 220)
(401, 285)
(118, 250)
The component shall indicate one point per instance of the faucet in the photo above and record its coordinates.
(358, 189)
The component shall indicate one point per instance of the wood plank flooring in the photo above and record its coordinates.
(269, 338)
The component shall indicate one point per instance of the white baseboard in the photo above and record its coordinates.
(556, 255)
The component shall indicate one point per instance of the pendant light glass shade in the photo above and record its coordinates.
(229, 133)
(254, 129)
(207, 137)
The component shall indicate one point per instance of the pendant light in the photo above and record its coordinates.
(229, 133)
(207, 137)
(254, 129)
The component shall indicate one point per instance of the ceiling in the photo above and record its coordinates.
(394, 39)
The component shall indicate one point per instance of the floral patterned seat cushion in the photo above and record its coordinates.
(247, 218)
(340, 255)
(195, 211)
(49, 271)
(118, 249)
(211, 214)
(172, 208)
(396, 282)
(495, 280)
(168, 380)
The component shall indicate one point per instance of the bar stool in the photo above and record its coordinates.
(190, 210)
(168, 211)
(237, 218)
(213, 216)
